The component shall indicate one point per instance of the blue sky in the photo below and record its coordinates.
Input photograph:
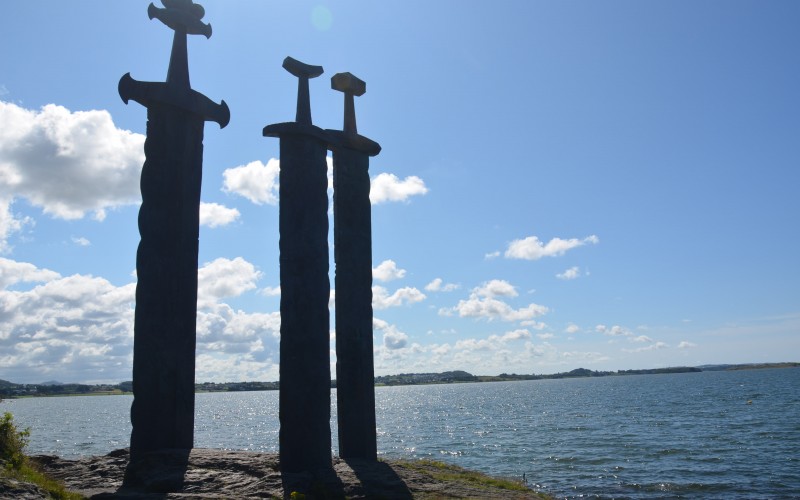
(608, 185)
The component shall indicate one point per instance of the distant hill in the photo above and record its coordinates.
(53, 388)
(747, 366)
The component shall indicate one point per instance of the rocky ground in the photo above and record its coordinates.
(218, 474)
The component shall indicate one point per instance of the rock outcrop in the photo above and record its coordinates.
(218, 474)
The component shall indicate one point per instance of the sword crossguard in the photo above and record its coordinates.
(147, 93)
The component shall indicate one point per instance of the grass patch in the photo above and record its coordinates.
(15, 465)
(28, 474)
(448, 472)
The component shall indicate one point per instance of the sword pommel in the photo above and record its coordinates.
(301, 70)
(181, 15)
(351, 86)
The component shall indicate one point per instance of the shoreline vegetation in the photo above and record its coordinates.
(12, 390)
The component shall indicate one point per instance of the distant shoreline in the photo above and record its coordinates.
(10, 390)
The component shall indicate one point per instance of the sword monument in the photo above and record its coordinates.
(305, 377)
(162, 412)
(352, 234)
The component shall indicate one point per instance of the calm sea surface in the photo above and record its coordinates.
(694, 435)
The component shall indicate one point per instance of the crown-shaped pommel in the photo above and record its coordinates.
(181, 15)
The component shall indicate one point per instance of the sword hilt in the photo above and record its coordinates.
(303, 72)
(351, 86)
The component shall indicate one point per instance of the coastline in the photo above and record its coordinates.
(10, 390)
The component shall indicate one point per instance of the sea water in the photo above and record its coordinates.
(710, 435)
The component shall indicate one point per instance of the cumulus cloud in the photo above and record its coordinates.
(80, 328)
(613, 331)
(220, 328)
(570, 274)
(392, 337)
(68, 163)
(259, 183)
(532, 323)
(9, 222)
(215, 215)
(490, 308)
(381, 299)
(255, 181)
(483, 304)
(388, 271)
(223, 278)
(531, 248)
(76, 328)
(496, 288)
(438, 285)
(685, 344)
(572, 328)
(516, 335)
(13, 272)
(512, 351)
(388, 187)
(274, 291)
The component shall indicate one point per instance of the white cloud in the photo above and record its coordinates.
(388, 187)
(536, 325)
(685, 344)
(613, 331)
(483, 304)
(76, 328)
(496, 288)
(511, 352)
(388, 271)
(393, 338)
(531, 248)
(516, 335)
(641, 338)
(438, 285)
(273, 291)
(570, 274)
(67, 163)
(12, 272)
(651, 347)
(82, 242)
(572, 328)
(215, 215)
(220, 328)
(490, 309)
(545, 336)
(9, 222)
(255, 181)
(406, 295)
(223, 278)
(492, 255)
(80, 328)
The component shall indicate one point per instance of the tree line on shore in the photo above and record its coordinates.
(13, 390)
